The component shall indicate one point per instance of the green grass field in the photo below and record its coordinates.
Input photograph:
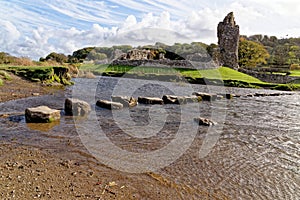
(228, 76)
(222, 73)
(295, 73)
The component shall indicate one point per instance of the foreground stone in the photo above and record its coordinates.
(171, 99)
(41, 114)
(206, 96)
(109, 105)
(76, 107)
(150, 100)
(125, 100)
(204, 122)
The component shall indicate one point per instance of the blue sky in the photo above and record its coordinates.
(34, 28)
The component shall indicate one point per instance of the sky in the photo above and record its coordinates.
(35, 28)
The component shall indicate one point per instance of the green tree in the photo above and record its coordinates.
(280, 55)
(58, 57)
(93, 55)
(81, 54)
(251, 53)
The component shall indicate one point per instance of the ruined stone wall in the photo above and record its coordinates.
(271, 78)
(228, 40)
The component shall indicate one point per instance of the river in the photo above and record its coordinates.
(252, 153)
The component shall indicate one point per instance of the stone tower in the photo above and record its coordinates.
(228, 40)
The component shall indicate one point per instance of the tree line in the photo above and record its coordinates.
(254, 51)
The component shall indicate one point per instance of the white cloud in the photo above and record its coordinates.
(35, 29)
(8, 34)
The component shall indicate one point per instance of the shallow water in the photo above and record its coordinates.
(252, 153)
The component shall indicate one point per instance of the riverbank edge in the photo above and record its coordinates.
(201, 81)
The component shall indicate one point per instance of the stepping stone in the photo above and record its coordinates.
(109, 105)
(125, 100)
(76, 107)
(171, 99)
(206, 96)
(227, 95)
(150, 100)
(41, 114)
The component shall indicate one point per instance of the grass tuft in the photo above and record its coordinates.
(5, 75)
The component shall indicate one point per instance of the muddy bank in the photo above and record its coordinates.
(18, 88)
(29, 173)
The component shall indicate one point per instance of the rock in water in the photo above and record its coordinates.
(206, 96)
(126, 101)
(204, 122)
(109, 105)
(76, 107)
(171, 99)
(41, 114)
(228, 40)
(150, 100)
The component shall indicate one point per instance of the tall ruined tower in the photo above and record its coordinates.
(228, 40)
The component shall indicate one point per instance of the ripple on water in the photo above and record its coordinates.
(256, 157)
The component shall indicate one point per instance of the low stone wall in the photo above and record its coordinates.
(271, 78)
(185, 64)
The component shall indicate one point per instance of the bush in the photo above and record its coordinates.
(295, 67)
(57, 57)
(1, 82)
(23, 61)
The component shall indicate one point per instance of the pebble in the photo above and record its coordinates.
(74, 173)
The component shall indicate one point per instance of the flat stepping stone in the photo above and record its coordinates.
(171, 99)
(228, 95)
(109, 104)
(76, 107)
(41, 114)
(125, 100)
(150, 100)
(206, 96)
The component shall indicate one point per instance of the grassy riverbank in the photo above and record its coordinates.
(45, 74)
(50, 75)
(221, 76)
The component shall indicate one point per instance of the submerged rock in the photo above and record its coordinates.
(125, 100)
(204, 121)
(150, 100)
(109, 105)
(76, 107)
(41, 114)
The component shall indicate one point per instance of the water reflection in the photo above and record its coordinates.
(43, 127)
